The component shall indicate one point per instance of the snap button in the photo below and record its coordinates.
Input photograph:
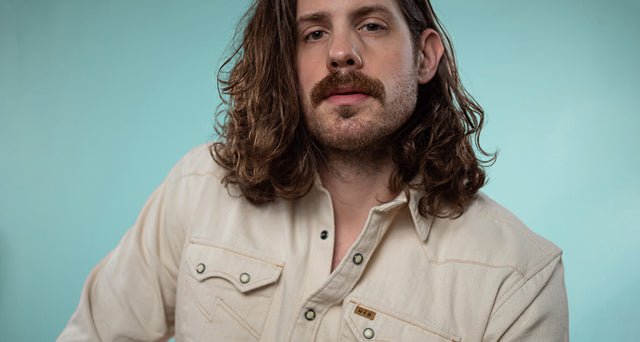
(310, 315)
(368, 333)
(357, 258)
(244, 278)
(200, 268)
(324, 235)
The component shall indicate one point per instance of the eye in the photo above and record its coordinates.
(372, 27)
(315, 35)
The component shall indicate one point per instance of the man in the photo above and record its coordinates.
(341, 205)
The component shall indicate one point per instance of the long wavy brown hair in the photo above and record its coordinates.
(268, 152)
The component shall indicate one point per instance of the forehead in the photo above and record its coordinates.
(329, 8)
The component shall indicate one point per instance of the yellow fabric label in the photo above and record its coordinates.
(365, 313)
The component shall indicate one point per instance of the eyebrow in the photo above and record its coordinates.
(359, 12)
(365, 10)
(312, 17)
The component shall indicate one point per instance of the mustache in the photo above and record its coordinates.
(352, 79)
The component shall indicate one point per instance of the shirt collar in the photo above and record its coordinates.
(422, 224)
(412, 197)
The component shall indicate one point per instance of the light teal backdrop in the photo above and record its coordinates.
(98, 100)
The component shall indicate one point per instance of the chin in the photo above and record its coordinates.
(350, 140)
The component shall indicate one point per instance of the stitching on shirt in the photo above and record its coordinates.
(256, 283)
(400, 319)
(528, 233)
(337, 270)
(543, 263)
(197, 173)
(268, 316)
(386, 221)
(220, 303)
(232, 279)
(235, 315)
(460, 261)
(517, 287)
(513, 289)
(305, 277)
(447, 261)
(416, 218)
(208, 315)
(201, 242)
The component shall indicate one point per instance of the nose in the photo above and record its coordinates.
(343, 53)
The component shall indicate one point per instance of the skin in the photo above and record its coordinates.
(371, 37)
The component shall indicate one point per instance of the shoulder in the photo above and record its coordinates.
(197, 177)
(198, 162)
(488, 234)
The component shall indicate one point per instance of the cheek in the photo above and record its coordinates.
(398, 58)
(309, 70)
(404, 62)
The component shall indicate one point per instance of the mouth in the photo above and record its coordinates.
(346, 89)
(347, 96)
(346, 92)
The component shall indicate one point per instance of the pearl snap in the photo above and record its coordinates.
(357, 259)
(244, 278)
(310, 315)
(368, 333)
(200, 268)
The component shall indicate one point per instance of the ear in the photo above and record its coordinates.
(429, 54)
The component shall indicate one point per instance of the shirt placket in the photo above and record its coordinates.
(340, 283)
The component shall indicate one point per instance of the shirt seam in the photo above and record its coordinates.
(200, 241)
(514, 289)
(529, 234)
(461, 261)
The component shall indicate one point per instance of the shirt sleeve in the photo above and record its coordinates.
(536, 311)
(130, 294)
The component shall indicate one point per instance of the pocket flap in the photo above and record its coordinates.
(369, 323)
(246, 272)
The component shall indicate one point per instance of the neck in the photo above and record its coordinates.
(357, 181)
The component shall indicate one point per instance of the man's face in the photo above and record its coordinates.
(357, 70)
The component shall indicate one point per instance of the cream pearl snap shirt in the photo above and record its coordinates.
(203, 264)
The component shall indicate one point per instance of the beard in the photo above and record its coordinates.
(363, 129)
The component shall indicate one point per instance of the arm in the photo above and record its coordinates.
(130, 294)
(536, 311)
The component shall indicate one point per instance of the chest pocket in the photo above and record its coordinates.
(366, 323)
(232, 290)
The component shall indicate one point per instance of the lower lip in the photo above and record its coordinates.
(347, 100)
